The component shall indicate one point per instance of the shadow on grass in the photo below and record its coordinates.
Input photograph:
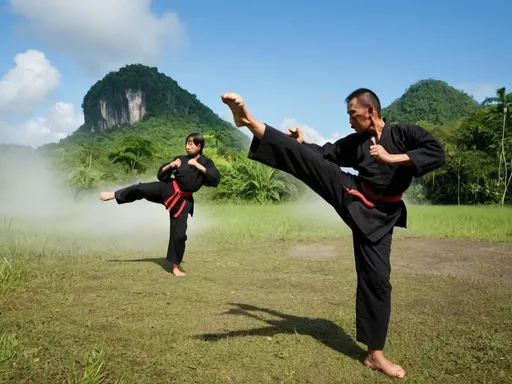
(322, 330)
(162, 262)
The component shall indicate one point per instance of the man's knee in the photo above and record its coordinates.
(378, 283)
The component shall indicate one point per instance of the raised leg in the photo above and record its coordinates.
(277, 150)
(177, 240)
(153, 192)
(373, 300)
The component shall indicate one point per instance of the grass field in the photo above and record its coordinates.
(268, 298)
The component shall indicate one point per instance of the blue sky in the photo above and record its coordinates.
(293, 62)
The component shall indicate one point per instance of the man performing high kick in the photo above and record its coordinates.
(387, 157)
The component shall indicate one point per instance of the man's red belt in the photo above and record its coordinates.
(177, 195)
(372, 197)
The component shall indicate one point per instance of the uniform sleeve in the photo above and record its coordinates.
(212, 176)
(425, 151)
(342, 152)
(167, 175)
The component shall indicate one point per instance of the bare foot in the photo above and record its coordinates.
(106, 196)
(176, 271)
(235, 102)
(383, 365)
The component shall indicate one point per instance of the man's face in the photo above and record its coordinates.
(360, 119)
(191, 148)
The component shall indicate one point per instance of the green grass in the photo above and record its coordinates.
(269, 298)
(480, 222)
(311, 220)
(11, 276)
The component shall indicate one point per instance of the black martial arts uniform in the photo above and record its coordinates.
(369, 203)
(176, 194)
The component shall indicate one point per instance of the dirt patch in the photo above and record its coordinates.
(442, 257)
(316, 251)
(451, 257)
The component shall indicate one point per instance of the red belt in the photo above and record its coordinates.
(175, 197)
(372, 196)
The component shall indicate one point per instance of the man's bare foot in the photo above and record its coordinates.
(176, 271)
(235, 102)
(241, 114)
(106, 196)
(379, 363)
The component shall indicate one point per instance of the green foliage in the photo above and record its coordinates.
(477, 139)
(262, 184)
(503, 101)
(431, 100)
(501, 98)
(82, 177)
(478, 159)
(248, 180)
(130, 153)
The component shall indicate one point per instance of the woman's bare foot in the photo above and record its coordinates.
(176, 271)
(106, 196)
(378, 362)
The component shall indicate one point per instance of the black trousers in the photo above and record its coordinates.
(372, 259)
(158, 192)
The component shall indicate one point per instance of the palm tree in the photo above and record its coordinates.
(262, 183)
(130, 152)
(83, 177)
(502, 100)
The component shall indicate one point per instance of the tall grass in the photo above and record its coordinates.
(92, 368)
(12, 275)
(8, 346)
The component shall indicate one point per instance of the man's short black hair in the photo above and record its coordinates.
(365, 97)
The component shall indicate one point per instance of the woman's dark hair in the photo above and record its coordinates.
(198, 139)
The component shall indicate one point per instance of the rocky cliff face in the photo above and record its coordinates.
(155, 103)
(136, 93)
(129, 108)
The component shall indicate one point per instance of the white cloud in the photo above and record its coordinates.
(311, 135)
(479, 91)
(28, 84)
(25, 88)
(61, 121)
(102, 35)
